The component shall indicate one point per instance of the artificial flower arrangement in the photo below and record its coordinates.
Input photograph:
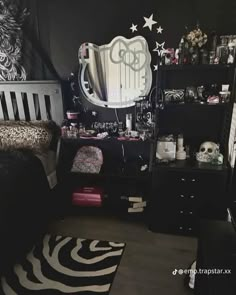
(196, 38)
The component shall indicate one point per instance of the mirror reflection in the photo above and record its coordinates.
(115, 74)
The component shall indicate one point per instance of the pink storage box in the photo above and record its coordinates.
(87, 197)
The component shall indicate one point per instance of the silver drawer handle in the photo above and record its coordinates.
(180, 227)
(190, 229)
(190, 212)
(183, 179)
(192, 197)
(181, 212)
(181, 196)
(193, 180)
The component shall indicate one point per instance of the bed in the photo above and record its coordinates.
(27, 163)
(33, 101)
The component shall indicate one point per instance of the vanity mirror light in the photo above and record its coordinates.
(116, 74)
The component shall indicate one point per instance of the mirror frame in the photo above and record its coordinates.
(147, 65)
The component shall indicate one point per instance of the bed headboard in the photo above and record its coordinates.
(31, 100)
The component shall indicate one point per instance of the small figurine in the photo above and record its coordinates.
(209, 152)
(181, 154)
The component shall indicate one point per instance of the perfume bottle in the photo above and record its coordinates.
(213, 41)
(232, 47)
(222, 51)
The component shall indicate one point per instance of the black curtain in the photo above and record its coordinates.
(36, 57)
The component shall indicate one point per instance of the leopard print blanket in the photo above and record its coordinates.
(36, 136)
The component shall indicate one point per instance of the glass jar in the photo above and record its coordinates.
(81, 128)
(74, 130)
(212, 57)
(195, 56)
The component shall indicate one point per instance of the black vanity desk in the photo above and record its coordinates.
(119, 155)
(120, 173)
(183, 192)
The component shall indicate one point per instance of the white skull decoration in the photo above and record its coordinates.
(208, 151)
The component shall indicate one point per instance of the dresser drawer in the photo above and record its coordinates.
(186, 221)
(186, 200)
(175, 197)
(186, 229)
(174, 223)
(180, 182)
(181, 198)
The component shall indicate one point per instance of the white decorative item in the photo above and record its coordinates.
(155, 67)
(181, 154)
(133, 28)
(129, 122)
(159, 30)
(208, 152)
(166, 148)
(177, 55)
(149, 22)
(115, 74)
(160, 48)
(225, 87)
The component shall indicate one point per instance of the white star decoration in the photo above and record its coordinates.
(159, 48)
(149, 22)
(159, 30)
(133, 28)
(155, 67)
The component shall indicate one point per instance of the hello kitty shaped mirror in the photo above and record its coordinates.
(116, 74)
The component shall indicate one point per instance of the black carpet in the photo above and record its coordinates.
(65, 265)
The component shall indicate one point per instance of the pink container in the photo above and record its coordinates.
(87, 197)
(72, 115)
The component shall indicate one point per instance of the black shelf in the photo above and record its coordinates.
(109, 139)
(190, 165)
(202, 105)
(196, 67)
(184, 190)
(140, 176)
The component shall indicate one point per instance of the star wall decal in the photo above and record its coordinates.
(133, 28)
(155, 67)
(149, 22)
(159, 30)
(159, 48)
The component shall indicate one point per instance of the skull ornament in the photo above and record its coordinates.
(208, 152)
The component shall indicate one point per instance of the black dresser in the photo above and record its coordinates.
(183, 192)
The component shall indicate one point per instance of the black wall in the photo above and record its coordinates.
(65, 24)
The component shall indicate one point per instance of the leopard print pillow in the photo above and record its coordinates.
(35, 135)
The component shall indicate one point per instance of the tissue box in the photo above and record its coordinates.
(87, 197)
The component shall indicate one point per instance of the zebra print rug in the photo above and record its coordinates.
(65, 265)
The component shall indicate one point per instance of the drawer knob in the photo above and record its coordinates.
(193, 179)
(180, 227)
(190, 229)
(192, 197)
(183, 179)
(181, 196)
(181, 212)
(190, 212)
